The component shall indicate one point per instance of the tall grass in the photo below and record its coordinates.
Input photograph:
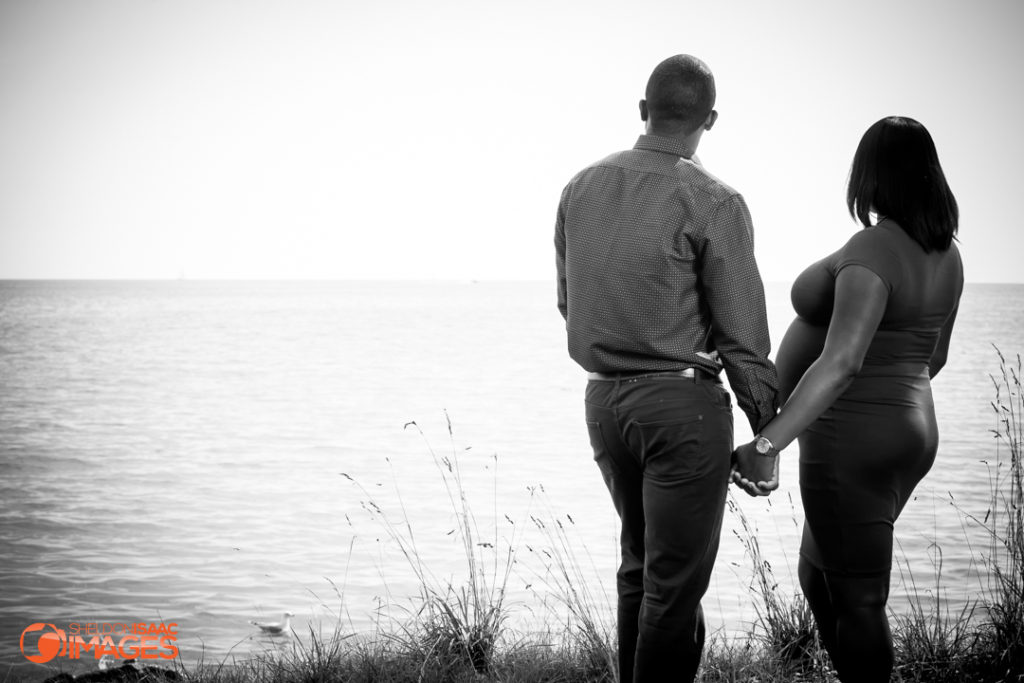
(1005, 521)
(933, 642)
(457, 624)
(788, 647)
(460, 629)
(785, 621)
(587, 632)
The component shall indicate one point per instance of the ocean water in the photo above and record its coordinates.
(210, 453)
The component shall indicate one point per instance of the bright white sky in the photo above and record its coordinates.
(410, 139)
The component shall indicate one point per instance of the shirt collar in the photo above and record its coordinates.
(658, 143)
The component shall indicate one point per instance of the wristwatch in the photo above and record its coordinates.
(764, 446)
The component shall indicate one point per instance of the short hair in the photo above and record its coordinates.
(896, 174)
(680, 94)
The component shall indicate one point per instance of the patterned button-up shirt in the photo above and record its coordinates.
(656, 271)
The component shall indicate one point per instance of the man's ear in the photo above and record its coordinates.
(710, 120)
(643, 110)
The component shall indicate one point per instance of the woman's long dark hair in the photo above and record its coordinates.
(896, 174)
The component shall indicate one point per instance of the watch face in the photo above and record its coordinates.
(762, 445)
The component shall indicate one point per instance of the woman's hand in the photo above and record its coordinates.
(755, 473)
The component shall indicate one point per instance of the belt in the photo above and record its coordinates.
(693, 374)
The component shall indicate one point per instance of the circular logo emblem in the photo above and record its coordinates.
(47, 646)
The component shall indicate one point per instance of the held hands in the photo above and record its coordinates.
(753, 472)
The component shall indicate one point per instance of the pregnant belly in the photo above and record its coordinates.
(800, 347)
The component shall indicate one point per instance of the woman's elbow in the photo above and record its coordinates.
(843, 360)
(846, 366)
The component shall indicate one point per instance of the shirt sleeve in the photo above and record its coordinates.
(563, 301)
(735, 297)
(868, 248)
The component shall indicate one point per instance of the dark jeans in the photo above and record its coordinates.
(663, 445)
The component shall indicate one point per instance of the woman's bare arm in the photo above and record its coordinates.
(860, 302)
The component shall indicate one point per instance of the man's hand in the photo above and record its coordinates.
(753, 472)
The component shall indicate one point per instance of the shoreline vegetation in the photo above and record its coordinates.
(461, 630)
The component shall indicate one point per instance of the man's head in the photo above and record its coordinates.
(680, 97)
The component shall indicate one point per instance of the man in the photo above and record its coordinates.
(659, 288)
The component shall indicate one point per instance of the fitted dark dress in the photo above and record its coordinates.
(860, 461)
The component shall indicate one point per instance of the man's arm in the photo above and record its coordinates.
(734, 294)
(563, 302)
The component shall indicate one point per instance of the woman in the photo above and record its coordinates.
(873, 327)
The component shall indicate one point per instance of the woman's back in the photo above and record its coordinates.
(924, 290)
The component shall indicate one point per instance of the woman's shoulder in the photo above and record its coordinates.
(877, 248)
(876, 240)
(882, 236)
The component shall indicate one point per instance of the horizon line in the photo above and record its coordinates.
(471, 280)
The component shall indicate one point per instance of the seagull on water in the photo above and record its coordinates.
(275, 627)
